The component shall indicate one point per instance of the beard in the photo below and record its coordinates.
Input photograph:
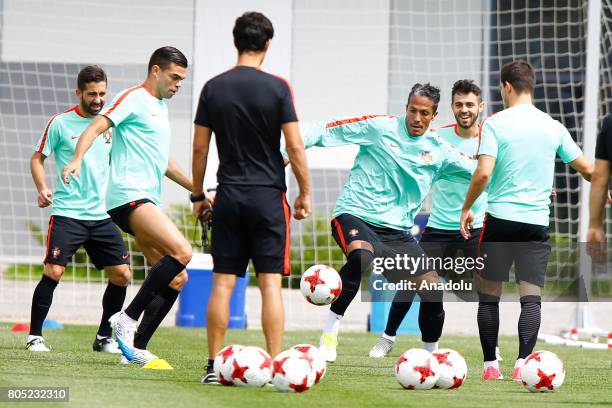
(471, 122)
(91, 109)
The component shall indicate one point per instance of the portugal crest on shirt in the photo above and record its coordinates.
(108, 136)
(427, 157)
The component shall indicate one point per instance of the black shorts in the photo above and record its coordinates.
(101, 239)
(120, 215)
(504, 242)
(250, 223)
(387, 243)
(440, 243)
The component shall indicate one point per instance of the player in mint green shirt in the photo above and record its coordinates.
(139, 161)
(78, 214)
(516, 158)
(84, 199)
(399, 159)
(141, 147)
(394, 169)
(442, 237)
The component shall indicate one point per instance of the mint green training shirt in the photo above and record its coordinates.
(393, 171)
(141, 147)
(448, 196)
(524, 140)
(83, 197)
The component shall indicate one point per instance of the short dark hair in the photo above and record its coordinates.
(164, 56)
(252, 31)
(520, 74)
(427, 90)
(465, 86)
(90, 73)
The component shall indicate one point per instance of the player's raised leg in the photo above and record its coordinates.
(160, 306)
(359, 257)
(148, 221)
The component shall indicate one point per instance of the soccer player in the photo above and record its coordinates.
(442, 237)
(516, 159)
(141, 146)
(247, 108)
(398, 161)
(78, 213)
(599, 190)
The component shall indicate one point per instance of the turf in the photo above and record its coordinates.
(353, 380)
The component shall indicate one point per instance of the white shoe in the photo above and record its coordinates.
(124, 329)
(37, 344)
(106, 345)
(124, 360)
(327, 346)
(382, 348)
(142, 357)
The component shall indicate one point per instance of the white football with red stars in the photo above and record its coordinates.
(319, 366)
(542, 371)
(223, 363)
(293, 371)
(452, 369)
(251, 367)
(321, 285)
(417, 369)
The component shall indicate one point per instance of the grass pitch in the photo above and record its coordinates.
(353, 380)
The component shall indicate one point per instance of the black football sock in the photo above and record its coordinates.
(41, 302)
(488, 324)
(357, 261)
(154, 314)
(431, 321)
(159, 277)
(397, 313)
(529, 324)
(112, 302)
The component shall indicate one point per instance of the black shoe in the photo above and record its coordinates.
(105, 345)
(209, 377)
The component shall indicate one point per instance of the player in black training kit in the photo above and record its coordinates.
(246, 108)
